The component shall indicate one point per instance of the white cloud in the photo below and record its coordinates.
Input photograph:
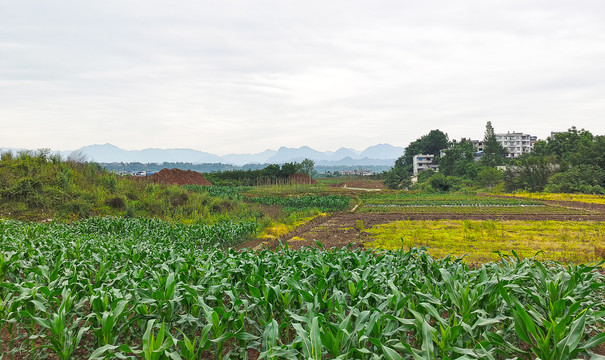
(236, 76)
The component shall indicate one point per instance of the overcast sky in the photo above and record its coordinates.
(244, 76)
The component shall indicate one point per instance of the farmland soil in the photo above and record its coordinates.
(346, 229)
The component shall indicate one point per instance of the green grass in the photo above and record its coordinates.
(39, 186)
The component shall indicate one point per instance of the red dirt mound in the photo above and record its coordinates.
(299, 178)
(179, 177)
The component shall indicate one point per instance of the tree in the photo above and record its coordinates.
(307, 166)
(271, 171)
(289, 169)
(459, 160)
(441, 183)
(529, 173)
(493, 152)
(582, 178)
(397, 178)
(489, 177)
(431, 143)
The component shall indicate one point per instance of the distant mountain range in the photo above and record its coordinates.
(378, 155)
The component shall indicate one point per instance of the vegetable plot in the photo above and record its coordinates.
(323, 203)
(110, 288)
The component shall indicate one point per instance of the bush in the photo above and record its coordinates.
(588, 179)
(116, 203)
(489, 177)
(441, 183)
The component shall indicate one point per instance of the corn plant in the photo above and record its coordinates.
(64, 331)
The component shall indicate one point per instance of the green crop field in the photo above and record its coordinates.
(147, 289)
(322, 203)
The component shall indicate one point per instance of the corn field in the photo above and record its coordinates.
(321, 202)
(144, 289)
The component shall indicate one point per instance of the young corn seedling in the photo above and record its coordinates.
(557, 339)
(191, 350)
(156, 346)
(63, 327)
(112, 322)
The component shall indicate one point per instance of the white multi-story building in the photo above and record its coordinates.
(516, 143)
(424, 162)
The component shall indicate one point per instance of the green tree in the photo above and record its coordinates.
(431, 143)
(271, 171)
(489, 177)
(493, 152)
(289, 169)
(307, 166)
(441, 183)
(529, 173)
(459, 160)
(397, 177)
(582, 178)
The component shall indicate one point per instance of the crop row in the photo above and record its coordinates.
(472, 209)
(70, 292)
(226, 192)
(323, 203)
(443, 199)
(586, 198)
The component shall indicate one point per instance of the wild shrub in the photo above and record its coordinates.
(116, 203)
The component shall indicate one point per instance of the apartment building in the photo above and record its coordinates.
(424, 162)
(516, 143)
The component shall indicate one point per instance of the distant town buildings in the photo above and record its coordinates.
(424, 162)
(516, 143)
(360, 172)
(478, 145)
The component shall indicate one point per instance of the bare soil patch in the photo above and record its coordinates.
(179, 177)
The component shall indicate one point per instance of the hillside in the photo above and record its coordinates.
(41, 186)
